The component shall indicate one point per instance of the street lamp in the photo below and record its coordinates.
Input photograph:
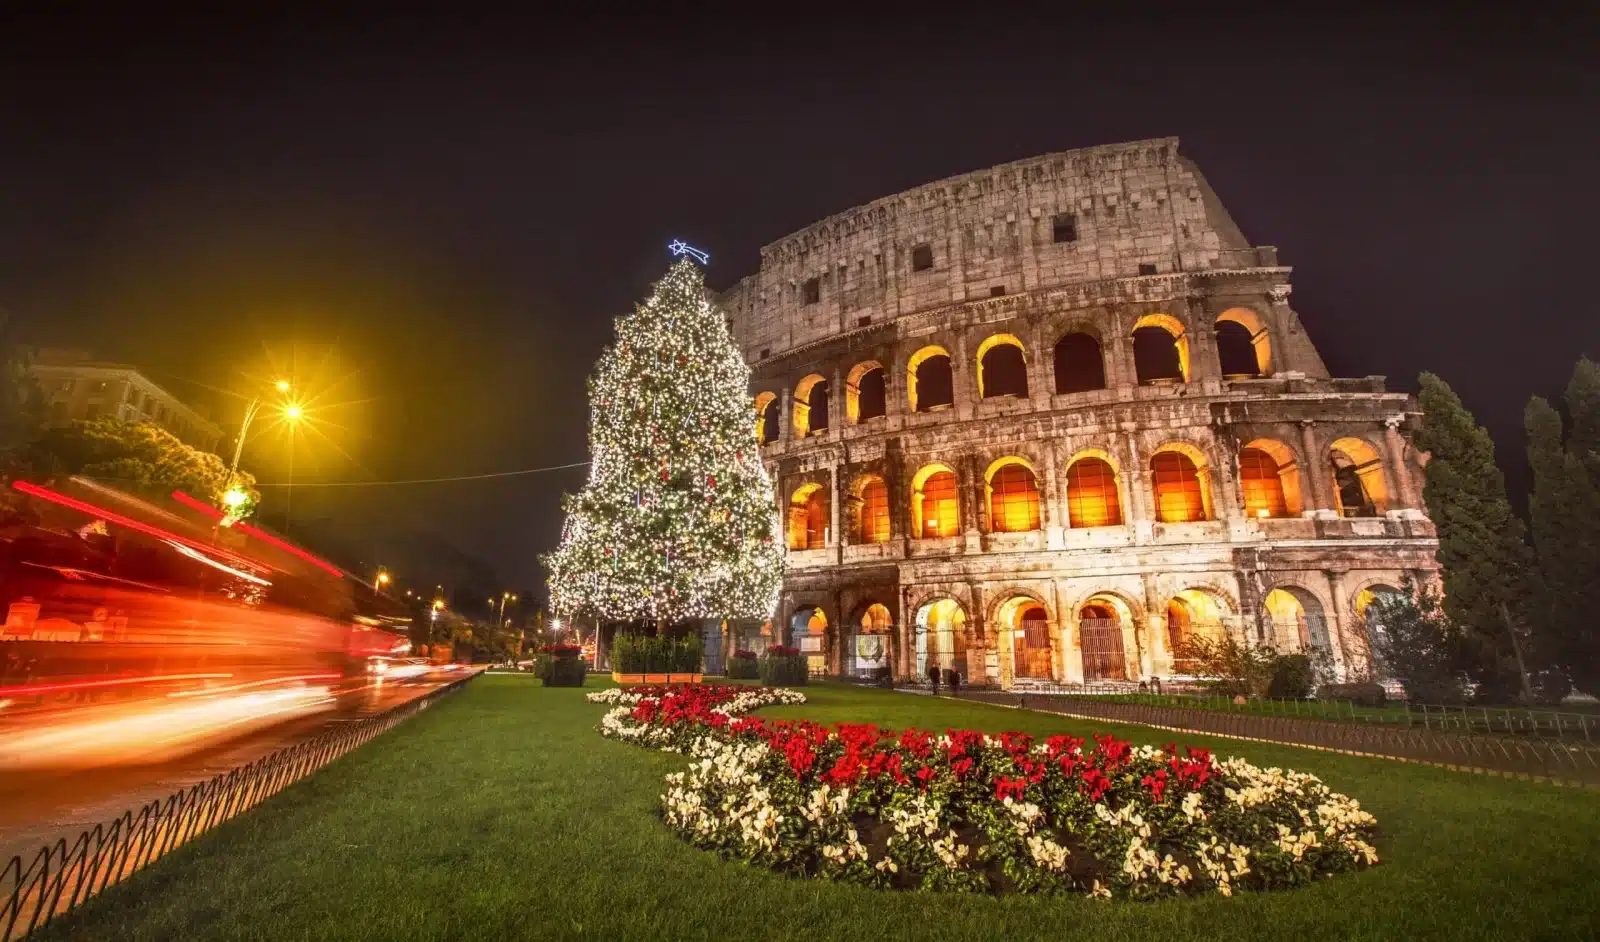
(292, 411)
(382, 579)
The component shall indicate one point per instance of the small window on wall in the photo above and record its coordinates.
(1146, 269)
(1065, 228)
(922, 257)
(811, 291)
(998, 291)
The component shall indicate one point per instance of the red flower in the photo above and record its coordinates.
(1156, 782)
(961, 766)
(1009, 788)
(925, 775)
(1094, 783)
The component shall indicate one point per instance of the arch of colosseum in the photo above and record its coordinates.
(1038, 422)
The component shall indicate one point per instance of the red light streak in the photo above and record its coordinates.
(29, 690)
(55, 497)
(263, 536)
(256, 683)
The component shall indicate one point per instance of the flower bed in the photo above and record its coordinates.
(973, 812)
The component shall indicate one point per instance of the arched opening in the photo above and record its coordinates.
(941, 636)
(1028, 625)
(1080, 366)
(811, 406)
(1273, 461)
(1372, 619)
(1001, 370)
(864, 393)
(1013, 497)
(930, 385)
(808, 631)
(1179, 491)
(1235, 353)
(1359, 488)
(1092, 499)
(1192, 614)
(935, 510)
(808, 518)
(1295, 620)
(766, 418)
(869, 511)
(1100, 636)
(1160, 350)
(1243, 345)
(870, 647)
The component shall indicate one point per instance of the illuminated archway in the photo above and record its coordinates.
(1193, 614)
(1100, 629)
(1371, 618)
(1092, 493)
(1013, 494)
(865, 393)
(941, 636)
(1247, 349)
(808, 517)
(871, 645)
(808, 631)
(1296, 619)
(1023, 626)
(935, 508)
(1359, 485)
(1001, 368)
(810, 406)
(1160, 350)
(766, 417)
(1269, 480)
(869, 510)
(930, 385)
(1177, 475)
(1079, 364)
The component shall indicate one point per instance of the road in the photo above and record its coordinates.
(39, 806)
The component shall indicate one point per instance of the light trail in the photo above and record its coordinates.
(31, 690)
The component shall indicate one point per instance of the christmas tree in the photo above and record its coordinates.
(677, 520)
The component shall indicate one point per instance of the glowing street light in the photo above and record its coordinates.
(234, 497)
(381, 580)
(282, 385)
(291, 411)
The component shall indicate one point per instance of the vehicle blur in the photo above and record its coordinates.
(139, 629)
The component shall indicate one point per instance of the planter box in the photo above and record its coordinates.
(622, 678)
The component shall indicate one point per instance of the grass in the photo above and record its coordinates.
(501, 813)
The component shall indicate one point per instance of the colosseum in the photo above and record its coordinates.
(1043, 422)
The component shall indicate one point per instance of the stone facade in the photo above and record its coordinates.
(1043, 579)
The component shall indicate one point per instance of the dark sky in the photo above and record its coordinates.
(435, 219)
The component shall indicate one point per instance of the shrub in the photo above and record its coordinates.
(565, 672)
(1415, 642)
(743, 666)
(1230, 669)
(783, 666)
(1362, 694)
(642, 654)
(1292, 677)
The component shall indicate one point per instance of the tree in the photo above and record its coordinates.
(1565, 512)
(1416, 644)
(1486, 566)
(677, 520)
(138, 456)
(21, 401)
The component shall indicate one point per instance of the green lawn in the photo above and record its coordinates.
(501, 813)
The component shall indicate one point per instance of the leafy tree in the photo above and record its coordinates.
(1487, 568)
(1565, 512)
(138, 456)
(677, 520)
(1415, 643)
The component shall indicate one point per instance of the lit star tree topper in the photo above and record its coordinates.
(677, 520)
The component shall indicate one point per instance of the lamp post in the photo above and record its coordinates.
(291, 411)
(381, 580)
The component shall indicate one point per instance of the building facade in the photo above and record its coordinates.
(77, 387)
(1044, 422)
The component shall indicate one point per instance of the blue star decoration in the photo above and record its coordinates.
(680, 248)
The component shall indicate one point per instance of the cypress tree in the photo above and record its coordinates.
(1486, 566)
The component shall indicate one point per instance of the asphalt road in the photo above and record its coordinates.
(39, 806)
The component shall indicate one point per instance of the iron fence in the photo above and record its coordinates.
(65, 874)
(1563, 760)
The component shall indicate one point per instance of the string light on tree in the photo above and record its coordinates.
(677, 519)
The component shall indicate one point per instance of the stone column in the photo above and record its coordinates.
(1071, 649)
(1041, 375)
(1051, 505)
(1316, 496)
(1338, 624)
(1119, 355)
(1154, 657)
(1396, 446)
(785, 414)
(963, 379)
(978, 641)
(837, 492)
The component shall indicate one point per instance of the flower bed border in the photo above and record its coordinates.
(968, 811)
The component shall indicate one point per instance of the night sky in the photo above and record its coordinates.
(431, 222)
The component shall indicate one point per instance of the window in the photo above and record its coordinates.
(1003, 372)
(1236, 350)
(1079, 365)
(1156, 356)
(864, 321)
(922, 257)
(875, 512)
(1065, 228)
(767, 428)
(1261, 485)
(998, 291)
(808, 518)
(1013, 500)
(940, 512)
(1177, 485)
(766, 352)
(1092, 495)
(811, 291)
(1146, 269)
(935, 386)
(871, 396)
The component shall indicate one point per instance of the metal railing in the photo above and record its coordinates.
(65, 874)
(1509, 754)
